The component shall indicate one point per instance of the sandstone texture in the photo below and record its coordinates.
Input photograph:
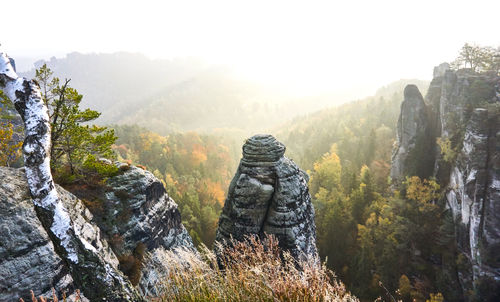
(462, 108)
(473, 197)
(153, 218)
(139, 210)
(269, 195)
(412, 136)
(28, 260)
(135, 208)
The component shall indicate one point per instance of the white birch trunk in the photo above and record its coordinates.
(87, 265)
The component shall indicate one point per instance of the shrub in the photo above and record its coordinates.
(131, 265)
(98, 168)
(449, 153)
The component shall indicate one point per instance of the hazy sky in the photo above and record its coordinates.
(306, 46)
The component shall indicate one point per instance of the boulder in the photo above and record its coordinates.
(134, 207)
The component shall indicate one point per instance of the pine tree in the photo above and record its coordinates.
(75, 145)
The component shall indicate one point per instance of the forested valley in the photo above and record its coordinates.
(380, 239)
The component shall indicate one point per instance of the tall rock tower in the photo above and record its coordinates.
(269, 194)
(411, 156)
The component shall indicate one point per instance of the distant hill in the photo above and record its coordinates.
(110, 83)
(178, 95)
(169, 96)
(215, 99)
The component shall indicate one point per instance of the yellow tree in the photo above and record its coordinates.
(422, 191)
(326, 173)
(10, 151)
(404, 287)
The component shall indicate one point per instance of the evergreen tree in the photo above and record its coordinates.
(75, 145)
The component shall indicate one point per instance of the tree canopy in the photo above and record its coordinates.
(478, 58)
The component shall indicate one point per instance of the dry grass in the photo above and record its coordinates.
(54, 297)
(254, 270)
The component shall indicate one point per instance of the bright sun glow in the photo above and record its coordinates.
(307, 47)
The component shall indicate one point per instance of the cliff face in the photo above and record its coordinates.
(28, 260)
(138, 210)
(474, 196)
(269, 194)
(462, 111)
(153, 216)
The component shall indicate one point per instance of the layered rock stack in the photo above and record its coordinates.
(269, 195)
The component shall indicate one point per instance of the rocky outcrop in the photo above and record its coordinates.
(28, 260)
(269, 194)
(75, 240)
(463, 110)
(25, 248)
(412, 137)
(471, 176)
(153, 217)
(138, 210)
(87, 262)
(474, 198)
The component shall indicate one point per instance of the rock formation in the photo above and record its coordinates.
(269, 194)
(26, 250)
(25, 247)
(60, 243)
(87, 263)
(463, 109)
(137, 209)
(28, 258)
(474, 197)
(412, 136)
(153, 216)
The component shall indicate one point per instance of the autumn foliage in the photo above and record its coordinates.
(10, 150)
(195, 169)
